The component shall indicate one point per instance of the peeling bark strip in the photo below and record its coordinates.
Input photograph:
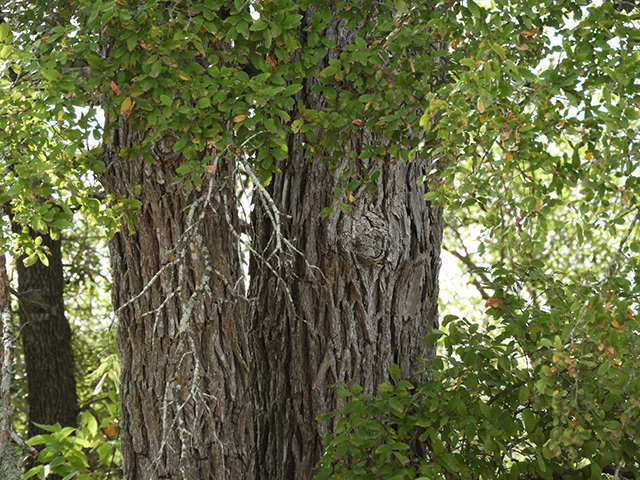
(46, 341)
(361, 294)
(180, 305)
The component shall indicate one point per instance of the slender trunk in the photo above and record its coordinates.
(360, 295)
(9, 464)
(179, 299)
(46, 342)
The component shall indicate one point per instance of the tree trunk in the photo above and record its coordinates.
(9, 463)
(179, 298)
(360, 295)
(46, 342)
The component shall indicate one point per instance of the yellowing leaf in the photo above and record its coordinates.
(351, 196)
(115, 88)
(357, 121)
(481, 106)
(127, 103)
(425, 121)
(239, 118)
(296, 125)
(589, 156)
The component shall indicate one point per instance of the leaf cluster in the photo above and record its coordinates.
(542, 392)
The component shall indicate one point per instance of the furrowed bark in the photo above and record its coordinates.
(46, 342)
(360, 295)
(179, 299)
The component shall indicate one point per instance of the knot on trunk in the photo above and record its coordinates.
(365, 235)
(163, 148)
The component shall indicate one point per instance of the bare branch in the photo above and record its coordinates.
(473, 270)
(613, 266)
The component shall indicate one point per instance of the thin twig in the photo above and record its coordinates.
(613, 267)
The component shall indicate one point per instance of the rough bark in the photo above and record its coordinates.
(179, 299)
(360, 295)
(46, 342)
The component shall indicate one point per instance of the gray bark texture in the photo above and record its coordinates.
(180, 304)
(358, 292)
(46, 342)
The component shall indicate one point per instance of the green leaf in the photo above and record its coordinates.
(343, 393)
(401, 6)
(132, 42)
(473, 8)
(325, 211)
(529, 420)
(498, 49)
(185, 168)
(38, 440)
(394, 371)
(259, 26)
(292, 20)
(386, 387)
(50, 74)
(396, 405)
(90, 424)
(5, 32)
(292, 89)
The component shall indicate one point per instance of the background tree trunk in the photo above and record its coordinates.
(9, 463)
(46, 342)
(180, 303)
(361, 295)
